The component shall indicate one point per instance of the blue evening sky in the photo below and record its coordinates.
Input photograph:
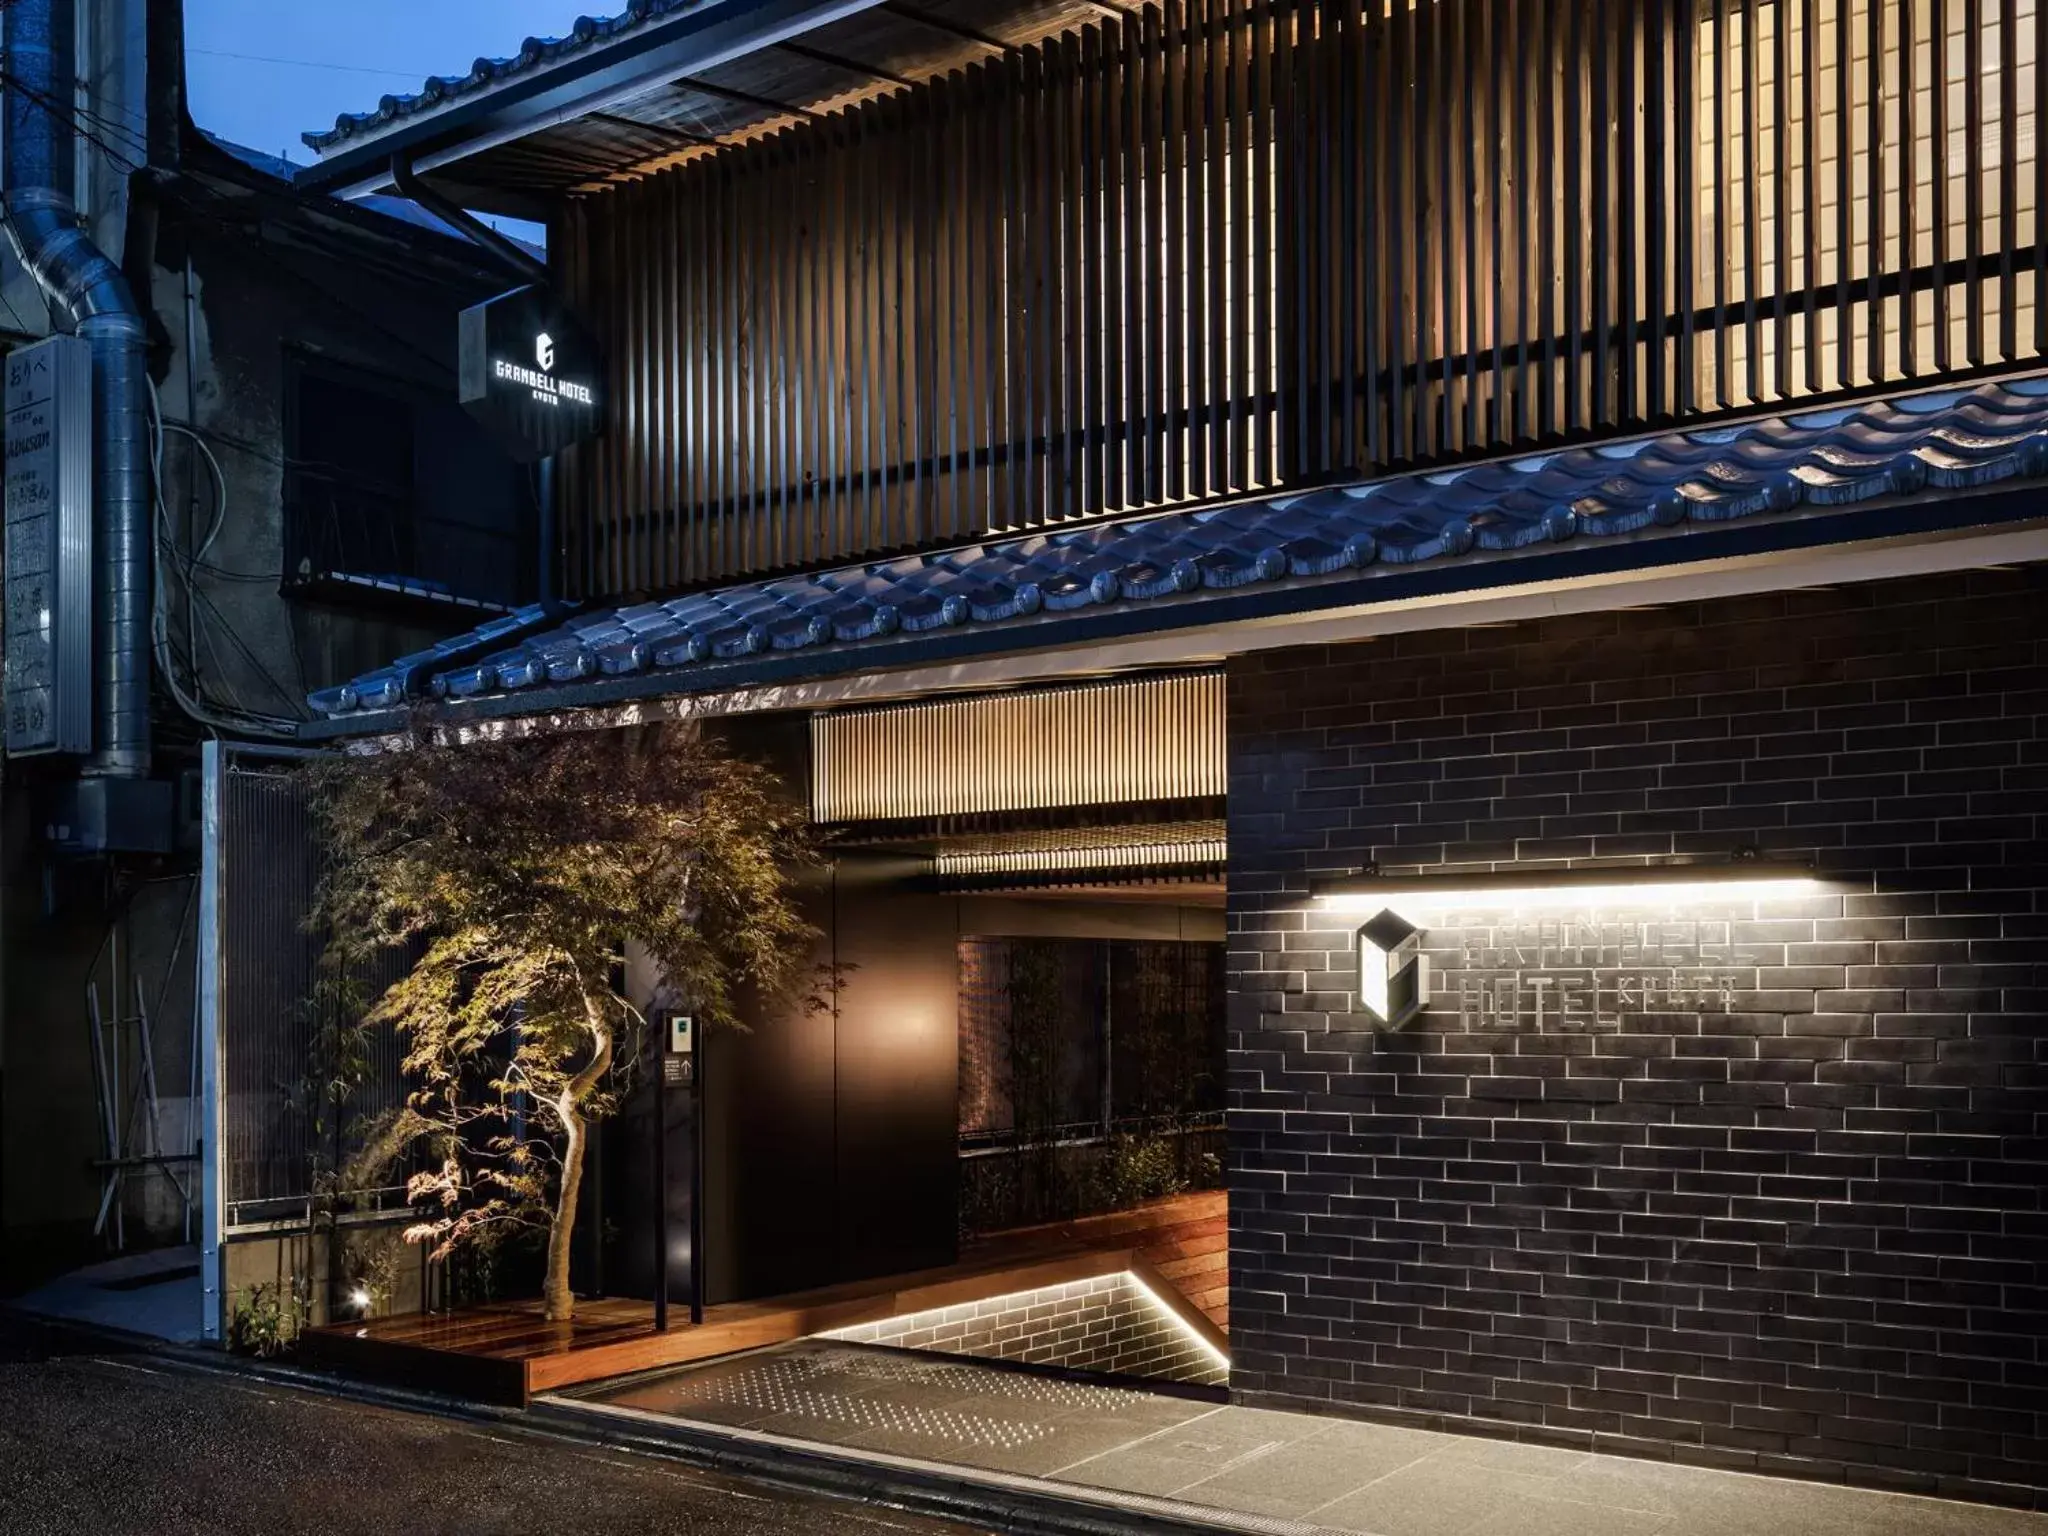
(263, 71)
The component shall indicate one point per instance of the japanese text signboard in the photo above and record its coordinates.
(46, 678)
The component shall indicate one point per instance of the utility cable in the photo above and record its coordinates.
(233, 718)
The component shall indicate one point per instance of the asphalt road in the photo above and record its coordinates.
(103, 1443)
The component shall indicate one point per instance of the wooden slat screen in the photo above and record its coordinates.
(1540, 219)
(1022, 295)
(1220, 246)
(1116, 743)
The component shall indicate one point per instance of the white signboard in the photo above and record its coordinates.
(46, 669)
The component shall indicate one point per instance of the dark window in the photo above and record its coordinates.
(393, 493)
(1081, 1037)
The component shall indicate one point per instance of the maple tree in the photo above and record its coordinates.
(514, 872)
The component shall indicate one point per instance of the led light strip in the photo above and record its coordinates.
(862, 1332)
(1633, 885)
(1180, 1322)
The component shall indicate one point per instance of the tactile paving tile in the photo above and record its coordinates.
(1019, 1385)
(832, 1385)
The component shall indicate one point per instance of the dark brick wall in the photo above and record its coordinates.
(1104, 1324)
(1798, 1230)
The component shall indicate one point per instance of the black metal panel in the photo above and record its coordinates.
(830, 1132)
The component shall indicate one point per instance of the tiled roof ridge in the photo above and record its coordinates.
(1952, 438)
(587, 32)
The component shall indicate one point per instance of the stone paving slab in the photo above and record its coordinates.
(1254, 1466)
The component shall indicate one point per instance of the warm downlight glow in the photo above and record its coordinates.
(1669, 885)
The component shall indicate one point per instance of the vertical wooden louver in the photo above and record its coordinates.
(1147, 739)
(1218, 246)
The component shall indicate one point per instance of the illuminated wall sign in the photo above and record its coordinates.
(47, 675)
(1578, 975)
(531, 373)
(1569, 972)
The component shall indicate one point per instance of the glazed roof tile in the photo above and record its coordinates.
(1171, 562)
(587, 33)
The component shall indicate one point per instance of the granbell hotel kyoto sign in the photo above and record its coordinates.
(530, 373)
(1578, 975)
(1571, 974)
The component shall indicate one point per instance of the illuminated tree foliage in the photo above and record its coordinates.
(518, 870)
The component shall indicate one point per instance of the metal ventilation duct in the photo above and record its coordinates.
(1146, 739)
(85, 284)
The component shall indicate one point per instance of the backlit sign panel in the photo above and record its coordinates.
(530, 373)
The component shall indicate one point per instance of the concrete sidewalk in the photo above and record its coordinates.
(1149, 1460)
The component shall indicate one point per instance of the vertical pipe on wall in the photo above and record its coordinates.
(208, 1104)
(547, 487)
(39, 149)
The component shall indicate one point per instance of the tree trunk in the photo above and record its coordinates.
(561, 1302)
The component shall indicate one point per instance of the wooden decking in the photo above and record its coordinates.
(508, 1352)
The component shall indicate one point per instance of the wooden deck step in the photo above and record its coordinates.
(507, 1352)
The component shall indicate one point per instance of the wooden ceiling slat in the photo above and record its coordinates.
(897, 45)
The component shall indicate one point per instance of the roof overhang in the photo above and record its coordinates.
(530, 100)
(661, 84)
(1818, 549)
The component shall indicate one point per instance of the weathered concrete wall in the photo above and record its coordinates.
(244, 276)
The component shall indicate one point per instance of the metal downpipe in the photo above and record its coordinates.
(88, 289)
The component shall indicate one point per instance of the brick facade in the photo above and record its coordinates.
(1790, 1219)
(1105, 1324)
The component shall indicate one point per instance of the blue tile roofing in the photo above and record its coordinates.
(588, 32)
(1173, 565)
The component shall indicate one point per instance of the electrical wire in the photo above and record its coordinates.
(233, 717)
(91, 126)
(190, 565)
